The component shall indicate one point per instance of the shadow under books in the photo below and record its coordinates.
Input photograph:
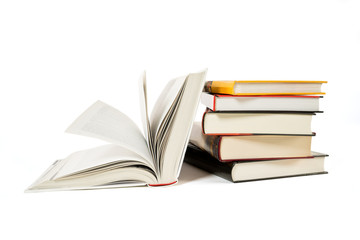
(190, 173)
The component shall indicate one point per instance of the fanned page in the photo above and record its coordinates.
(100, 160)
(144, 112)
(162, 112)
(174, 121)
(104, 122)
(164, 104)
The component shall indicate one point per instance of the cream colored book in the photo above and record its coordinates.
(251, 146)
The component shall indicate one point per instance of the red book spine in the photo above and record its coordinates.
(162, 184)
(258, 159)
(214, 103)
(284, 96)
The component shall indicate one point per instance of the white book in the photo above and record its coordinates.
(234, 123)
(296, 103)
(132, 158)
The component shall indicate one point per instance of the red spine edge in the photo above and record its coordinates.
(261, 159)
(214, 103)
(285, 96)
(162, 184)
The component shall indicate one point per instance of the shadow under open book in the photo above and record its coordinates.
(190, 173)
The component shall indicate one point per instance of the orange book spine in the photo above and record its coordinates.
(224, 87)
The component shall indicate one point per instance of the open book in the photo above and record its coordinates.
(132, 158)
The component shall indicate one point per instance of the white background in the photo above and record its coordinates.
(58, 57)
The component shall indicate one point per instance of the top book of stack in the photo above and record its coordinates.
(261, 87)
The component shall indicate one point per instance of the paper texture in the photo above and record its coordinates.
(107, 123)
(144, 112)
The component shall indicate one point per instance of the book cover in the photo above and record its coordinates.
(228, 87)
(203, 160)
(256, 122)
(256, 103)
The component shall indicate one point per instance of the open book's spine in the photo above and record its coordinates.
(162, 184)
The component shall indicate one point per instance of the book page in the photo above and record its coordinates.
(177, 133)
(99, 157)
(164, 104)
(94, 161)
(144, 111)
(104, 122)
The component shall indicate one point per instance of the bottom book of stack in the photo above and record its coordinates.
(253, 170)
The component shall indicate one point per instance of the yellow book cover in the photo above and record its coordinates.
(265, 87)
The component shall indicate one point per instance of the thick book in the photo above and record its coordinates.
(244, 171)
(250, 146)
(133, 158)
(296, 103)
(234, 123)
(264, 87)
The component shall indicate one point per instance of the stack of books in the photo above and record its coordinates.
(255, 130)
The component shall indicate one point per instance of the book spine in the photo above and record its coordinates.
(203, 120)
(212, 145)
(207, 86)
(209, 100)
(221, 87)
(214, 103)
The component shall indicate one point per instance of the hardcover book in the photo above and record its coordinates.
(132, 158)
(244, 171)
(227, 148)
(264, 87)
(295, 103)
(234, 123)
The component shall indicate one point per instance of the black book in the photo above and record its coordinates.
(243, 171)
